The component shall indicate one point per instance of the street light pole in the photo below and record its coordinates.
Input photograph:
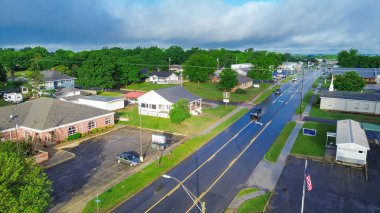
(303, 73)
(189, 193)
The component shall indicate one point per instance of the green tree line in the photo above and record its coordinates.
(352, 58)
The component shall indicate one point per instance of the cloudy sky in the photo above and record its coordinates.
(297, 26)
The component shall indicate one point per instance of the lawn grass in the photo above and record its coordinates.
(305, 102)
(316, 82)
(246, 191)
(147, 86)
(276, 148)
(192, 125)
(210, 91)
(266, 94)
(4, 103)
(256, 204)
(136, 182)
(312, 145)
(316, 112)
(111, 94)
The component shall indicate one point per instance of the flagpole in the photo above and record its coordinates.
(303, 190)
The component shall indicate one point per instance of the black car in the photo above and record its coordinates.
(277, 92)
(255, 114)
(130, 157)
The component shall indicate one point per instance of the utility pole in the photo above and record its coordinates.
(169, 64)
(303, 73)
(141, 146)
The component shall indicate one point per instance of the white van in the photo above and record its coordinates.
(13, 97)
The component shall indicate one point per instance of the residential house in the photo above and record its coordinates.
(351, 141)
(176, 68)
(242, 69)
(161, 77)
(356, 102)
(159, 102)
(54, 79)
(370, 75)
(50, 120)
(244, 82)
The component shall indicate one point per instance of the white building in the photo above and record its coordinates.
(291, 66)
(102, 102)
(242, 69)
(161, 77)
(158, 102)
(351, 141)
(368, 103)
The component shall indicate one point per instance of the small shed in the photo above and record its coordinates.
(351, 141)
(102, 102)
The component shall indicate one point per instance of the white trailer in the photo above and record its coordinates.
(13, 97)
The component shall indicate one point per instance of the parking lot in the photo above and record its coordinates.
(95, 166)
(335, 188)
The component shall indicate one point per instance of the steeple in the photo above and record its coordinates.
(331, 88)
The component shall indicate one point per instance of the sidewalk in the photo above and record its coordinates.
(56, 156)
(311, 101)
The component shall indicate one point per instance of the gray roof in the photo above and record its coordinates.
(52, 75)
(45, 113)
(73, 97)
(351, 95)
(363, 72)
(173, 94)
(101, 98)
(243, 79)
(63, 91)
(350, 131)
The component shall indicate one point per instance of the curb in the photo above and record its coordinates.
(61, 161)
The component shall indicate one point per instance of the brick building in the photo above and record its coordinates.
(50, 120)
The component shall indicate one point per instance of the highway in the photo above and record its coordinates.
(217, 171)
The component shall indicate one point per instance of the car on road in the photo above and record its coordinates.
(130, 157)
(255, 114)
(294, 79)
(277, 92)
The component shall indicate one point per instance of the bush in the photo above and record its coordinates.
(240, 91)
(74, 136)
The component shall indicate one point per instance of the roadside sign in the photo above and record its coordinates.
(157, 138)
(225, 100)
(309, 132)
(226, 95)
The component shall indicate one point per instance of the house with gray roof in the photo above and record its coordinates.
(356, 102)
(244, 82)
(50, 120)
(370, 75)
(160, 77)
(159, 102)
(54, 79)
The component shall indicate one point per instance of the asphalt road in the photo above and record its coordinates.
(219, 169)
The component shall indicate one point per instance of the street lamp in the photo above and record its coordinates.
(303, 73)
(191, 195)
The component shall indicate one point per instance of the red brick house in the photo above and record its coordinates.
(50, 120)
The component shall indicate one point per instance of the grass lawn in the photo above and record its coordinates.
(312, 145)
(147, 86)
(246, 191)
(256, 204)
(210, 91)
(316, 82)
(279, 143)
(305, 102)
(136, 182)
(266, 94)
(316, 112)
(194, 124)
(111, 94)
(4, 103)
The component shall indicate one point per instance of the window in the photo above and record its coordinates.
(360, 151)
(143, 105)
(108, 120)
(72, 130)
(153, 106)
(91, 125)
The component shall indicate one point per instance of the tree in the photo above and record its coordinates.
(349, 81)
(199, 67)
(3, 74)
(228, 79)
(180, 111)
(260, 74)
(24, 187)
(63, 69)
(176, 54)
(36, 82)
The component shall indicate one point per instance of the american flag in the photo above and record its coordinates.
(308, 180)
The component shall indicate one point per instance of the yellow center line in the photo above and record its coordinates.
(199, 167)
(229, 166)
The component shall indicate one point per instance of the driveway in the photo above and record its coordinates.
(335, 188)
(95, 167)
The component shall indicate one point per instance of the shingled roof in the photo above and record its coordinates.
(243, 79)
(52, 75)
(45, 113)
(173, 94)
(351, 95)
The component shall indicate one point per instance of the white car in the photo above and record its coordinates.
(294, 79)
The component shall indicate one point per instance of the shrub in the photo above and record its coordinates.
(74, 136)
(240, 91)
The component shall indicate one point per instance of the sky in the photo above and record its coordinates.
(296, 26)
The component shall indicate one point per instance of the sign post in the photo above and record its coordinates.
(226, 97)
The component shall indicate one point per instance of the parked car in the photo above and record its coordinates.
(255, 114)
(294, 79)
(130, 157)
(277, 92)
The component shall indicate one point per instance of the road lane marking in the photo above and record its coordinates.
(198, 168)
(228, 167)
